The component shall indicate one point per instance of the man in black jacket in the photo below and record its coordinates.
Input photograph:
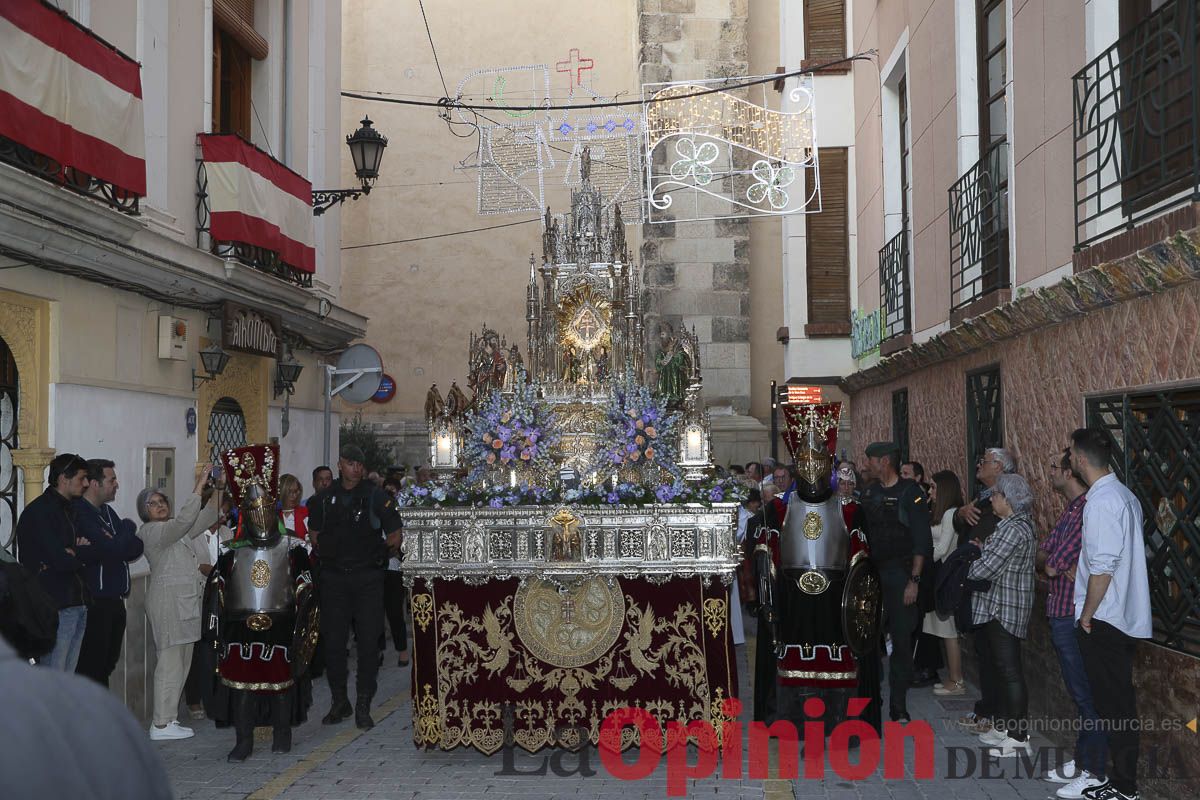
(116, 541)
(49, 547)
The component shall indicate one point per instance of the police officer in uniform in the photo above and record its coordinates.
(349, 521)
(897, 527)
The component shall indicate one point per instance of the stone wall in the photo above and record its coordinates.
(698, 273)
(1045, 374)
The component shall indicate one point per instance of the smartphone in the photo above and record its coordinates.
(215, 472)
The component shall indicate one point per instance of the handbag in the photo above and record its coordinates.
(28, 615)
(927, 588)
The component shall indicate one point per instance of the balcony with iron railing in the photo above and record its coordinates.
(1137, 137)
(979, 263)
(894, 292)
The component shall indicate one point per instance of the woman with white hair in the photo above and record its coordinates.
(174, 597)
(1002, 612)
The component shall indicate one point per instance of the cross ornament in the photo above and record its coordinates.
(567, 608)
(574, 66)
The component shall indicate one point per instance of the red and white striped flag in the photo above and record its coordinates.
(252, 198)
(68, 95)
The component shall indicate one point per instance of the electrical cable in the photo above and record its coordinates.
(433, 47)
(447, 103)
(442, 235)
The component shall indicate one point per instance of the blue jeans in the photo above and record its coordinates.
(1091, 746)
(72, 622)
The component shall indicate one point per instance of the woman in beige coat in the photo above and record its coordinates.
(174, 598)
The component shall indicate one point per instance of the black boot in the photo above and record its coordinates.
(339, 710)
(281, 722)
(362, 714)
(243, 725)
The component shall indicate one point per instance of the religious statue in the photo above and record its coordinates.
(456, 401)
(602, 365)
(434, 407)
(488, 364)
(515, 370)
(672, 365)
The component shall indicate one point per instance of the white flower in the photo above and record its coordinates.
(770, 184)
(694, 161)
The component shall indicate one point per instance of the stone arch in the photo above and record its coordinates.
(25, 328)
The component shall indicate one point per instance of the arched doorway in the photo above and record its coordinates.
(9, 406)
(226, 427)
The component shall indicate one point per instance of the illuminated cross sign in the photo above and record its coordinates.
(574, 66)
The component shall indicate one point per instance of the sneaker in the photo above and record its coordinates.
(1064, 774)
(1074, 790)
(172, 731)
(993, 737)
(969, 721)
(1008, 747)
(1105, 791)
(947, 689)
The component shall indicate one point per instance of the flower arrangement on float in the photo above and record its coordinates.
(511, 431)
(641, 431)
(451, 494)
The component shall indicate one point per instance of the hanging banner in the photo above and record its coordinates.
(70, 96)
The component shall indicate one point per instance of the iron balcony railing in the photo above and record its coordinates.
(894, 286)
(29, 160)
(1137, 125)
(979, 229)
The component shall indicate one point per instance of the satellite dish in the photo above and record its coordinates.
(356, 377)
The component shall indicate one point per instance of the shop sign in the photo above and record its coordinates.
(248, 330)
(866, 332)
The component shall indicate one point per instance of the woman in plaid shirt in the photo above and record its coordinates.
(1002, 612)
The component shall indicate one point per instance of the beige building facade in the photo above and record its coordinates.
(1027, 265)
(425, 292)
(105, 304)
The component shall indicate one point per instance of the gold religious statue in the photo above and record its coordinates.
(566, 544)
(434, 407)
(456, 401)
(488, 364)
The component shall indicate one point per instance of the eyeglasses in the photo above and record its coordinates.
(157, 504)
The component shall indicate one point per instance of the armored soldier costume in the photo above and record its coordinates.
(897, 528)
(260, 610)
(824, 594)
(349, 520)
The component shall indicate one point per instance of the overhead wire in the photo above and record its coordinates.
(442, 235)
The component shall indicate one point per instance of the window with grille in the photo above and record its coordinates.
(900, 423)
(226, 427)
(985, 418)
(9, 485)
(1156, 441)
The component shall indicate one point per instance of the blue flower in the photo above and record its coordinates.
(420, 491)
(496, 502)
(716, 494)
(572, 495)
(612, 498)
(665, 493)
(439, 494)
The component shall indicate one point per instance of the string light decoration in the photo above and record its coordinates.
(721, 156)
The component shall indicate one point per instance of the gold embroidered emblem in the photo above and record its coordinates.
(569, 627)
(812, 525)
(812, 582)
(714, 615)
(422, 610)
(258, 622)
(260, 574)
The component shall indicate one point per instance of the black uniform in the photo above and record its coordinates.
(352, 555)
(897, 528)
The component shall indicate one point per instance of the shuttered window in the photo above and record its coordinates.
(829, 245)
(824, 30)
(236, 17)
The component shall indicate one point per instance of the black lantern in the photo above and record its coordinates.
(214, 360)
(287, 372)
(366, 150)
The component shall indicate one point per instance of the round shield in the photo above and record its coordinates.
(862, 607)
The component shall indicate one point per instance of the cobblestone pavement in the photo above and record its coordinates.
(329, 762)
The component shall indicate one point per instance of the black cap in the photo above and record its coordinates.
(879, 449)
(352, 452)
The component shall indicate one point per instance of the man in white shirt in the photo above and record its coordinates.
(1112, 605)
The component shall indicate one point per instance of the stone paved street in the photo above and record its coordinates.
(341, 762)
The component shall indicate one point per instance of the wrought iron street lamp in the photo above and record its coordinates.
(287, 372)
(366, 150)
(214, 360)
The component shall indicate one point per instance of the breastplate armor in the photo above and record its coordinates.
(260, 580)
(814, 536)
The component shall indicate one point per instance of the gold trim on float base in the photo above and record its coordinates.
(259, 622)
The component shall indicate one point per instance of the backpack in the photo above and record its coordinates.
(28, 616)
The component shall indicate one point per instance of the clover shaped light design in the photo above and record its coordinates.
(693, 161)
(770, 184)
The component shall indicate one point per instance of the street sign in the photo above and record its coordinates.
(386, 391)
